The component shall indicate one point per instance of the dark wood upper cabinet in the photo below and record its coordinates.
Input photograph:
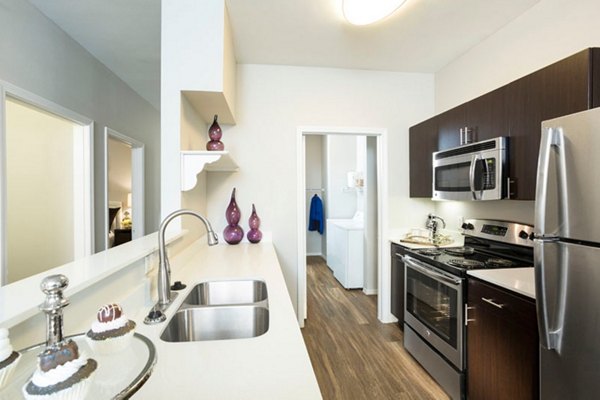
(559, 89)
(502, 344)
(487, 115)
(515, 110)
(422, 142)
(449, 125)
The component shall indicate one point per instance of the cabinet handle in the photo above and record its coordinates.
(492, 302)
(509, 183)
(467, 320)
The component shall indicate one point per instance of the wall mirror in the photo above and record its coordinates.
(46, 185)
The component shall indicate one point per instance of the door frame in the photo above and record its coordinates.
(84, 202)
(137, 183)
(383, 268)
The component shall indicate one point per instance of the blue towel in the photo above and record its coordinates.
(316, 221)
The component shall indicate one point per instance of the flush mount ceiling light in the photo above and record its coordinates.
(364, 12)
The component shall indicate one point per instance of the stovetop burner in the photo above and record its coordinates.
(460, 251)
(429, 252)
(466, 263)
(499, 263)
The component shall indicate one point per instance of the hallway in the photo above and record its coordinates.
(354, 355)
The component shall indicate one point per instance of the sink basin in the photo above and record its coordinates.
(217, 323)
(227, 292)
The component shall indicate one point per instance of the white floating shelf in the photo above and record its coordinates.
(194, 162)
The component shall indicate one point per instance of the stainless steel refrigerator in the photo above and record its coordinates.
(567, 256)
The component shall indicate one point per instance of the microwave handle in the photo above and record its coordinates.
(472, 175)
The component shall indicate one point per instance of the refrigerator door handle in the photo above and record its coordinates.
(540, 291)
(549, 318)
(552, 138)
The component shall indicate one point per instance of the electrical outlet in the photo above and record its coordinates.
(150, 261)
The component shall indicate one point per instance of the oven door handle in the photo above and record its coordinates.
(411, 263)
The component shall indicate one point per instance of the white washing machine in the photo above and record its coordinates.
(345, 251)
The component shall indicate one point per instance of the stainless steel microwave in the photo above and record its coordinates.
(477, 171)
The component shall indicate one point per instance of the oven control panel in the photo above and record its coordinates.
(502, 231)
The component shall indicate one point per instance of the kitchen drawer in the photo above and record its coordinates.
(517, 309)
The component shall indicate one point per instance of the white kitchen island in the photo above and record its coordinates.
(274, 365)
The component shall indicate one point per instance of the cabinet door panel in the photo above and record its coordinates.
(422, 143)
(487, 115)
(559, 89)
(397, 292)
(449, 125)
(502, 345)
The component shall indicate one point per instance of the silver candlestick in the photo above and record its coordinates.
(53, 286)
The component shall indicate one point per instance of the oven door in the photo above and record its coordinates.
(434, 308)
(474, 176)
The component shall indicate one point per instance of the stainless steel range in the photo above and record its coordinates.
(435, 294)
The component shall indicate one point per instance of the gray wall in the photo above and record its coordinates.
(36, 55)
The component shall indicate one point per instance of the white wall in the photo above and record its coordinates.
(549, 31)
(37, 56)
(40, 190)
(341, 159)
(196, 54)
(273, 101)
(370, 190)
(314, 180)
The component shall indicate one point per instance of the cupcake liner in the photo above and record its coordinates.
(110, 345)
(76, 392)
(7, 371)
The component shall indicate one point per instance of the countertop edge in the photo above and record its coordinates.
(518, 280)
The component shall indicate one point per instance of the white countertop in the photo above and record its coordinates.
(520, 280)
(275, 365)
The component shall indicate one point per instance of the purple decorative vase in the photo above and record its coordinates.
(215, 133)
(254, 234)
(233, 233)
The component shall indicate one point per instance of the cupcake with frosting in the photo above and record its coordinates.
(8, 358)
(62, 374)
(112, 331)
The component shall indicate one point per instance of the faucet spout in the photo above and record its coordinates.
(164, 269)
(433, 224)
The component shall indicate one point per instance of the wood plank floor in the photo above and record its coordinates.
(353, 354)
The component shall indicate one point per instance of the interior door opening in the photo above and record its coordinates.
(124, 189)
(343, 170)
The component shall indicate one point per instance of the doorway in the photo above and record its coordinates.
(377, 139)
(124, 188)
(46, 185)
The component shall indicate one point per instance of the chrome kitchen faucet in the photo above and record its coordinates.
(164, 269)
(432, 225)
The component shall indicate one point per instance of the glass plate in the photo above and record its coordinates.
(118, 375)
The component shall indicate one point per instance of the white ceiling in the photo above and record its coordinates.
(422, 36)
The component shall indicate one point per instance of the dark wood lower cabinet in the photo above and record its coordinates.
(397, 289)
(502, 344)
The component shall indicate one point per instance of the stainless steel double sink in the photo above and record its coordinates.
(221, 310)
